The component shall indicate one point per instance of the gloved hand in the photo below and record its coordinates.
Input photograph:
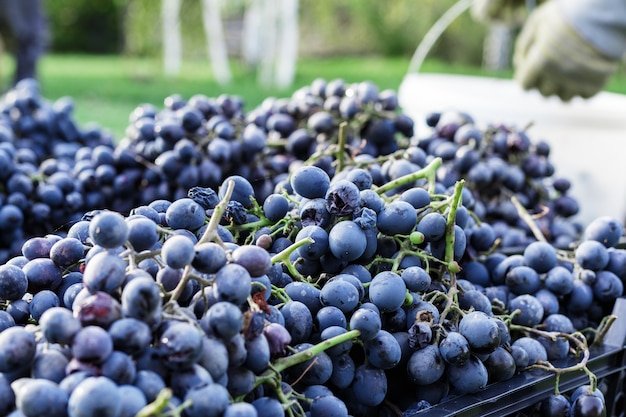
(508, 12)
(552, 57)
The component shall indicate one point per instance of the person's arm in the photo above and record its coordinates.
(571, 48)
(602, 23)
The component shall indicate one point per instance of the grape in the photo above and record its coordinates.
(522, 280)
(559, 280)
(259, 354)
(426, 365)
(330, 316)
(119, 367)
(224, 320)
(555, 405)
(342, 198)
(254, 259)
(310, 181)
(185, 213)
(36, 247)
(141, 299)
(416, 279)
(500, 365)
(341, 294)
(328, 406)
(607, 286)
(604, 229)
(58, 325)
(298, 320)
(6, 320)
(432, 226)
(42, 274)
(13, 282)
(7, 396)
(587, 404)
(50, 364)
(475, 299)
(150, 383)
(132, 399)
(233, 283)
(183, 380)
(468, 378)
(17, 349)
(104, 272)
(387, 291)
(397, 217)
(306, 293)
(454, 348)
(367, 321)
(143, 234)
(319, 246)
(209, 257)
(346, 240)
(178, 251)
(314, 212)
(531, 310)
(40, 397)
(268, 406)
(369, 385)
(275, 207)
(541, 256)
(591, 254)
(96, 395)
(534, 349)
(318, 369)
(343, 371)
(108, 229)
(383, 351)
(240, 409)
(100, 309)
(67, 251)
(481, 332)
(92, 344)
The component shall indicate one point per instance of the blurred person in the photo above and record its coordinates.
(566, 48)
(23, 28)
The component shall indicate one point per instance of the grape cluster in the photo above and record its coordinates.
(314, 256)
(42, 183)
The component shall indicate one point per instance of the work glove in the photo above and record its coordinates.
(508, 12)
(551, 56)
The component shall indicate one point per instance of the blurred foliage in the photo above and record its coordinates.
(388, 27)
(327, 28)
(85, 25)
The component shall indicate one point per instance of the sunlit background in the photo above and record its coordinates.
(110, 55)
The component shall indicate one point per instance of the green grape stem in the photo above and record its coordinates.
(341, 145)
(210, 235)
(427, 172)
(283, 256)
(453, 267)
(156, 407)
(281, 364)
(528, 219)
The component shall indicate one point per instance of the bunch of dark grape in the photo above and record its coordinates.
(42, 184)
(312, 257)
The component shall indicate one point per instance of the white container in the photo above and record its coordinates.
(587, 137)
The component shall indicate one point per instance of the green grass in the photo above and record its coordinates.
(107, 88)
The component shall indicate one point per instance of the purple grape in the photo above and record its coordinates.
(108, 229)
